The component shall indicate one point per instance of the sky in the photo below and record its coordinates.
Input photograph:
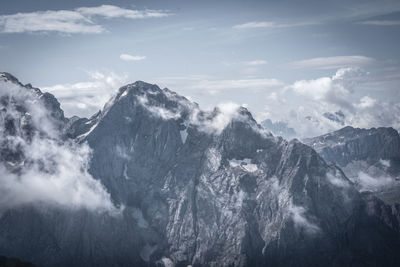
(299, 62)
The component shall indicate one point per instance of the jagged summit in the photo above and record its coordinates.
(163, 104)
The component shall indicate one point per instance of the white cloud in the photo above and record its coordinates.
(337, 180)
(79, 20)
(110, 11)
(366, 102)
(368, 183)
(256, 24)
(331, 62)
(298, 215)
(52, 172)
(333, 90)
(308, 100)
(381, 22)
(87, 97)
(126, 57)
(269, 25)
(46, 21)
(256, 62)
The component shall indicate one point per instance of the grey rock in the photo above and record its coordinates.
(202, 189)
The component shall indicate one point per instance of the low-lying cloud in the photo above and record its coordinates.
(36, 167)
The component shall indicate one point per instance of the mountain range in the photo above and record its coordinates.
(154, 180)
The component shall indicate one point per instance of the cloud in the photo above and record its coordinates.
(79, 20)
(368, 183)
(331, 62)
(110, 11)
(258, 24)
(337, 180)
(298, 215)
(334, 90)
(255, 62)
(43, 170)
(269, 25)
(63, 21)
(381, 22)
(366, 102)
(308, 102)
(126, 57)
(87, 97)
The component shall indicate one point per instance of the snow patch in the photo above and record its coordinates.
(125, 93)
(167, 262)
(125, 172)
(245, 164)
(213, 159)
(184, 135)
(88, 132)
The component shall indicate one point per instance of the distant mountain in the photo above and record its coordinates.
(195, 188)
(279, 128)
(369, 157)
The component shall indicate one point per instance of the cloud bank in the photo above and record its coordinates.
(79, 20)
(36, 168)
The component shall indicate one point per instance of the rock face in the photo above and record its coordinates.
(203, 189)
(369, 157)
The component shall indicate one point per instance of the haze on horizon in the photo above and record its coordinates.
(285, 61)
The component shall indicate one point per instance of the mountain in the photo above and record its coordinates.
(187, 187)
(279, 128)
(369, 157)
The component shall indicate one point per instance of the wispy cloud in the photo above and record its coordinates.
(127, 57)
(381, 22)
(255, 62)
(110, 11)
(258, 24)
(331, 62)
(79, 20)
(269, 24)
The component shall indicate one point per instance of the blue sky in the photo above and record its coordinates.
(284, 60)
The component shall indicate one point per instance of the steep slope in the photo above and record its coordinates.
(369, 157)
(225, 192)
(201, 188)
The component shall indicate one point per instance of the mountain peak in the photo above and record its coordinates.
(5, 76)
